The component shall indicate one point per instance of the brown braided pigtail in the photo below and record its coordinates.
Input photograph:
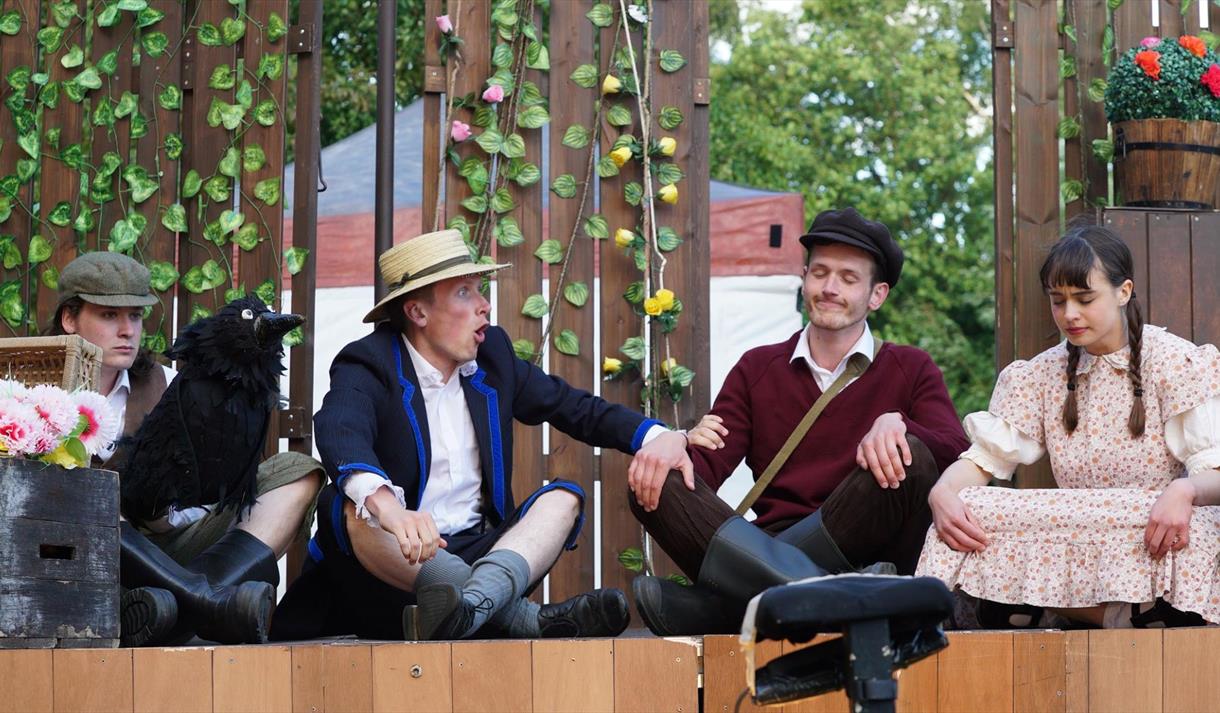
(1135, 334)
(1070, 415)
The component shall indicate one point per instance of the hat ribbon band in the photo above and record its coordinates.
(430, 270)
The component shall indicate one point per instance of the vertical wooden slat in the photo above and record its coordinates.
(574, 676)
(1132, 23)
(155, 74)
(572, 46)
(308, 693)
(434, 110)
(696, 252)
(724, 673)
(1076, 663)
(1169, 272)
(1039, 671)
(1205, 265)
(976, 672)
(415, 678)
(1001, 77)
(1132, 227)
(619, 527)
(918, 687)
(172, 679)
(1191, 670)
(25, 677)
(92, 680)
(1171, 21)
(20, 50)
(252, 679)
(510, 689)
(1090, 26)
(1125, 668)
(347, 678)
(655, 676)
(1073, 148)
(472, 20)
(116, 139)
(57, 181)
(1191, 18)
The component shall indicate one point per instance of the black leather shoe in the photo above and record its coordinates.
(146, 615)
(602, 612)
(670, 609)
(439, 614)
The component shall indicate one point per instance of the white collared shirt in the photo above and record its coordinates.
(824, 377)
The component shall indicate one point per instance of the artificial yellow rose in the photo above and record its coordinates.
(667, 145)
(611, 85)
(667, 365)
(624, 238)
(666, 297)
(652, 306)
(669, 194)
(61, 457)
(611, 366)
(620, 156)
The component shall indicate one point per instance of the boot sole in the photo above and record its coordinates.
(644, 591)
(146, 616)
(259, 598)
(434, 605)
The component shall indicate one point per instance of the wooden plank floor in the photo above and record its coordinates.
(1071, 672)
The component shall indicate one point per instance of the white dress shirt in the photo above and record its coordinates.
(864, 345)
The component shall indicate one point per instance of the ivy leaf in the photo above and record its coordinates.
(670, 118)
(50, 38)
(123, 236)
(633, 348)
(485, 117)
(191, 183)
(568, 343)
(475, 204)
(268, 190)
(1067, 66)
(9, 251)
(155, 43)
(63, 13)
(229, 115)
(276, 29)
(618, 115)
(26, 168)
(142, 187)
(537, 56)
(502, 201)
(89, 78)
(681, 376)
(50, 280)
(264, 113)
(18, 78)
(270, 66)
(295, 258)
(12, 308)
(585, 76)
(73, 58)
(502, 56)
(596, 227)
(245, 94)
(232, 30)
(606, 167)
(633, 193)
(295, 337)
(508, 233)
(533, 118)
(214, 274)
(550, 252)
(524, 349)
(667, 239)
(149, 17)
(564, 185)
(139, 126)
(634, 293)
(61, 214)
(672, 60)
(127, 105)
(253, 158)
(1097, 89)
(103, 112)
(209, 35)
(601, 15)
(1068, 128)
(576, 137)
(217, 188)
(193, 281)
(230, 163)
(527, 174)
(109, 63)
(576, 293)
(85, 221)
(1071, 190)
(1103, 149)
(174, 219)
(49, 95)
(198, 311)
(667, 173)
(10, 23)
(174, 146)
(534, 307)
(234, 293)
(133, 5)
(222, 77)
(266, 292)
(170, 98)
(632, 559)
(29, 143)
(1107, 43)
(74, 91)
(514, 146)
(247, 237)
(230, 221)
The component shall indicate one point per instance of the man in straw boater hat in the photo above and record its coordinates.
(419, 536)
(195, 568)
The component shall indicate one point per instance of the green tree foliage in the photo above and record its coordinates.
(882, 106)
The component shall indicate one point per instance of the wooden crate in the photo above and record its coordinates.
(59, 556)
(66, 361)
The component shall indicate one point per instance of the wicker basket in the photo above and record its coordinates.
(66, 361)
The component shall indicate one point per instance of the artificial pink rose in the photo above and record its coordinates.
(1150, 42)
(494, 94)
(460, 131)
(444, 24)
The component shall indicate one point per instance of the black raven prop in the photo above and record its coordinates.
(203, 440)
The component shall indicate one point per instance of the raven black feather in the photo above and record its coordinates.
(203, 440)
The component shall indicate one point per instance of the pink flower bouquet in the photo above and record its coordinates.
(48, 424)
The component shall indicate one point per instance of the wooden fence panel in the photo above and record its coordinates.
(1003, 39)
(1205, 266)
(1090, 24)
(252, 679)
(413, 678)
(111, 139)
(471, 20)
(26, 678)
(88, 680)
(1171, 22)
(572, 45)
(19, 51)
(1191, 670)
(962, 683)
(510, 690)
(1168, 286)
(573, 676)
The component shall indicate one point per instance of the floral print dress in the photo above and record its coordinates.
(1083, 543)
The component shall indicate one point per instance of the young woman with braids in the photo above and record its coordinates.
(1129, 415)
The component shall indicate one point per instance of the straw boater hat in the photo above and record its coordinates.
(423, 261)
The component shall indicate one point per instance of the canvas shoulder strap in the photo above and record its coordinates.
(856, 366)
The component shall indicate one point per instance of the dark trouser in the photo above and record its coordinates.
(868, 523)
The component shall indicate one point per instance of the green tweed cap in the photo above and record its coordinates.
(107, 279)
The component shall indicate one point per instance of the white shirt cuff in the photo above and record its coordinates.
(360, 485)
(998, 469)
(174, 519)
(653, 432)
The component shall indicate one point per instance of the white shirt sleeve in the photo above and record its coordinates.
(998, 447)
(360, 485)
(653, 432)
(175, 519)
(1193, 436)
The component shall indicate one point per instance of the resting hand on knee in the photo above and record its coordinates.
(884, 450)
(651, 465)
(415, 531)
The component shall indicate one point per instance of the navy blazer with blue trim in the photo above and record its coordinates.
(373, 418)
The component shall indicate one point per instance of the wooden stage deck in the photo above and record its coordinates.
(1173, 670)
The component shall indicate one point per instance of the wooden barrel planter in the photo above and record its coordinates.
(1167, 163)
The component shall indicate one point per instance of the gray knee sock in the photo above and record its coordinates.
(518, 620)
(496, 580)
(444, 567)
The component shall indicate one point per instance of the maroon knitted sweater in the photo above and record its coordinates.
(765, 395)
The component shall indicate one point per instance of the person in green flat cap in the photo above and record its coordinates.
(196, 570)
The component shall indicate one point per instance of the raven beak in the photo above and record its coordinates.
(271, 327)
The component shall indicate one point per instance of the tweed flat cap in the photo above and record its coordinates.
(847, 226)
(107, 279)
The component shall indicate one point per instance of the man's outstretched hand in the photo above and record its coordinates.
(651, 465)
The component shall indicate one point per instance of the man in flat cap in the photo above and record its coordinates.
(845, 489)
(419, 535)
